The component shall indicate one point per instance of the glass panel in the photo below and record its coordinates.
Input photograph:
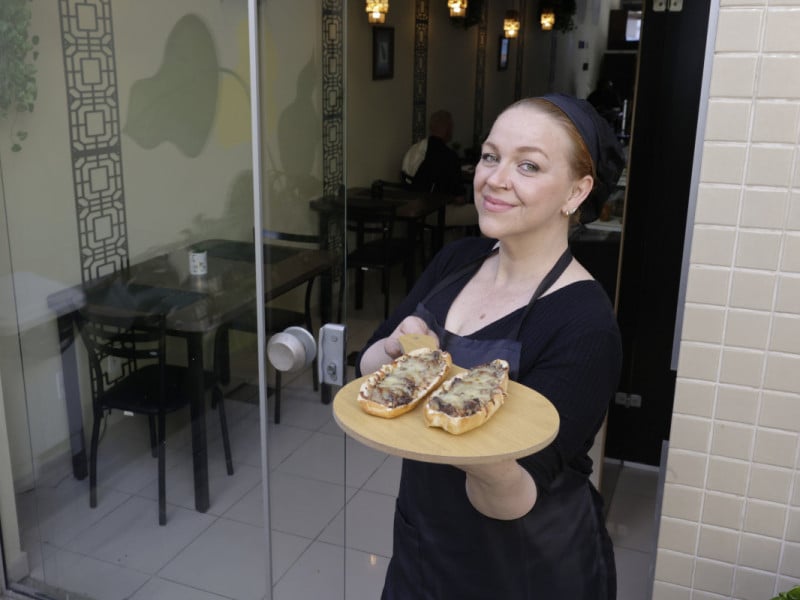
(302, 156)
(137, 153)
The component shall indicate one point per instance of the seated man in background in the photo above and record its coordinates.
(440, 170)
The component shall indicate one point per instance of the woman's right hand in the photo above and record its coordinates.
(386, 350)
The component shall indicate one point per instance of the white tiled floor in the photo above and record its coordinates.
(331, 506)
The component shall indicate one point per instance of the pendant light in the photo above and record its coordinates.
(458, 8)
(511, 24)
(547, 19)
(376, 11)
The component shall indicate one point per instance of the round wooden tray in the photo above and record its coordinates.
(526, 423)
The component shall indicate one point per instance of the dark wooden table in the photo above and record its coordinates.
(195, 306)
(412, 207)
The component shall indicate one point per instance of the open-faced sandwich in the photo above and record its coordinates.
(399, 386)
(469, 399)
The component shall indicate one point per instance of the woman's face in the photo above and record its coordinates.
(523, 181)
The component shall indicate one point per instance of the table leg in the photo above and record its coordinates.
(198, 416)
(438, 238)
(72, 395)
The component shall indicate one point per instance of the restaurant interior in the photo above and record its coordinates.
(127, 182)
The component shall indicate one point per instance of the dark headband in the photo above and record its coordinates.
(604, 148)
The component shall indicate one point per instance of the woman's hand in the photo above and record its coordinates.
(386, 350)
(502, 490)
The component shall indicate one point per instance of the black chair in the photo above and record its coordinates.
(277, 319)
(145, 384)
(375, 248)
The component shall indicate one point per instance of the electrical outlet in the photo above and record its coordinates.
(659, 5)
(635, 400)
(621, 398)
(113, 367)
(60, 385)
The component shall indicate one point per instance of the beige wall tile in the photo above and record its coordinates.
(765, 518)
(742, 367)
(729, 476)
(781, 411)
(793, 222)
(733, 76)
(728, 121)
(778, 448)
(777, 77)
(738, 30)
(713, 577)
(723, 163)
(776, 121)
(747, 329)
(713, 245)
(732, 441)
(788, 294)
(724, 510)
(694, 397)
(753, 585)
(718, 543)
(791, 253)
(703, 323)
(667, 591)
(770, 483)
(785, 334)
(764, 208)
(783, 372)
(770, 165)
(758, 250)
(752, 289)
(690, 433)
(678, 535)
(758, 552)
(681, 502)
(717, 204)
(790, 564)
(698, 361)
(708, 285)
(781, 31)
(750, 3)
(796, 489)
(793, 526)
(686, 468)
(735, 403)
(675, 568)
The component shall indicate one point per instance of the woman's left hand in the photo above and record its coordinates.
(501, 490)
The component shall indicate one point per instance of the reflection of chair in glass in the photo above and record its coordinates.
(375, 247)
(276, 319)
(142, 383)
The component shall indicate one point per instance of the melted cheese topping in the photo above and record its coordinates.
(408, 376)
(471, 392)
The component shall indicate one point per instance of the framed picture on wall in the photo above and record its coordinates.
(502, 54)
(382, 52)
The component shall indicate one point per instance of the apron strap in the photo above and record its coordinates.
(555, 272)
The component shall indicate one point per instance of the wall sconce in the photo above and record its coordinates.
(458, 8)
(376, 11)
(548, 19)
(511, 24)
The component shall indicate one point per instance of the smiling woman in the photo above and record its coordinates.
(535, 523)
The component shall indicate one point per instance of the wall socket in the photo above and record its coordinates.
(113, 367)
(628, 400)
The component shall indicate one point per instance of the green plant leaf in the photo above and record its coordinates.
(22, 135)
(16, 148)
(179, 102)
(35, 39)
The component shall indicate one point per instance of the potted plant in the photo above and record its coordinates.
(792, 594)
(17, 72)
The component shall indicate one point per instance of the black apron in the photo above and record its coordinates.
(444, 549)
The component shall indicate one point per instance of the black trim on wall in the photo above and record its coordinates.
(671, 61)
